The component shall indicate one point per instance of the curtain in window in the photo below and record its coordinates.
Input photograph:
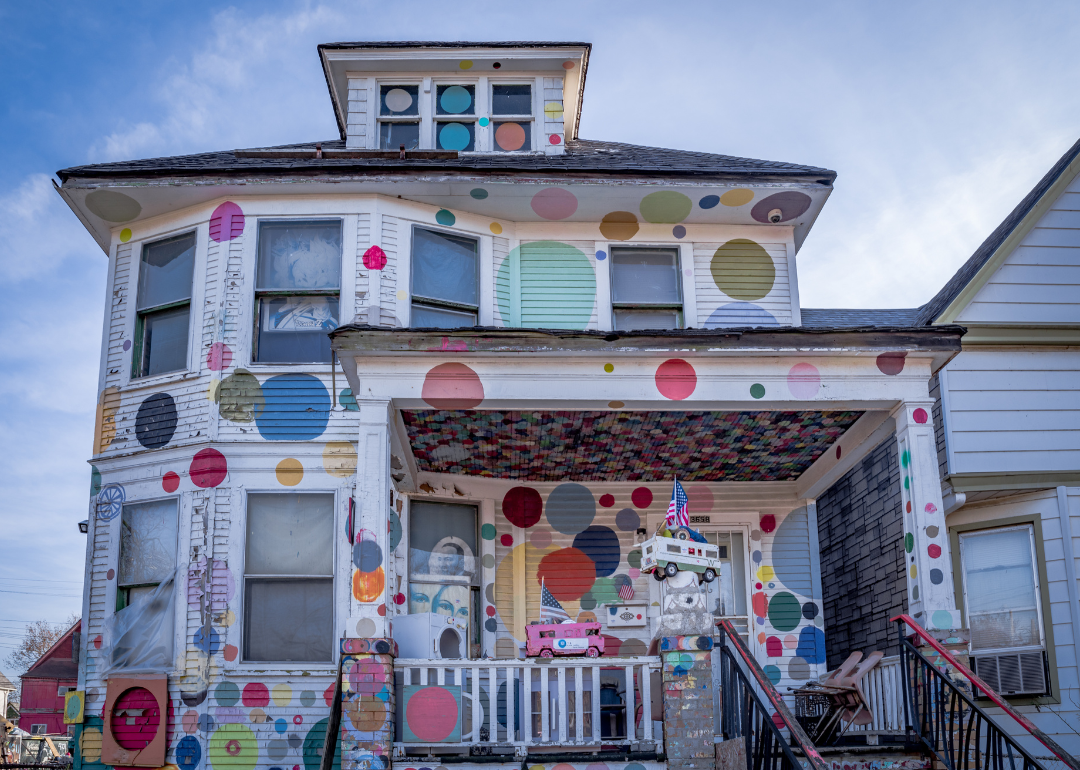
(1000, 589)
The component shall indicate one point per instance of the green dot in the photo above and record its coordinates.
(757, 390)
(487, 531)
(634, 558)
(909, 542)
(445, 218)
(905, 458)
(479, 193)
(907, 483)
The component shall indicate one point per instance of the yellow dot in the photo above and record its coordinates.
(609, 368)
(913, 572)
(289, 472)
(616, 404)
(553, 110)
(227, 618)
(282, 695)
(737, 197)
(212, 391)
(402, 294)
(90, 744)
(465, 65)
(339, 459)
(495, 228)
(125, 235)
(765, 573)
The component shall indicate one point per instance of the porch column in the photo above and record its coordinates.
(371, 566)
(927, 556)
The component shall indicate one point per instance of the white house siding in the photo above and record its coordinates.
(710, 298)
(361, 285)
(1061, 720)
(1012, 411)
(500, 251)
(1039, 282)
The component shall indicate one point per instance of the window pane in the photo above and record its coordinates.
(510, 137)
(1002, 602)
(511, 100)
(295, 329)
(444, 267)
(147, 542)
(440, 318)
(299, 255)
(456, 136)
(289, 619)
(645, 276)
(442, 543)
(166, 270)
(164, 341)
(393, 135)
(630, 320)
(399, 100)
(455, 100)
(451, 599)
(290, 534)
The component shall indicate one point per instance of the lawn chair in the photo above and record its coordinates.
(847, 701)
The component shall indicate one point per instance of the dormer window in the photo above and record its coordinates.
(399, 117)
(455, 110)
(512, 115)
(646, 292)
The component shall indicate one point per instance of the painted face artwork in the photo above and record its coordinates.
(449, 600)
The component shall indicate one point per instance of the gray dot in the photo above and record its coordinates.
(798, 670)
(277, 749)
(570, 508)
(113, 206)
(936, 577)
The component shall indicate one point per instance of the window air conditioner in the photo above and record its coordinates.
(1016, 673)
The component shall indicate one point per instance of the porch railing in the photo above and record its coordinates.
(744, 715)
(576, 704)
(959, 733)
(884, 689)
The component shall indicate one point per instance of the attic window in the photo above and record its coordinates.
(399, 117)
(512, 116)
(455, 127)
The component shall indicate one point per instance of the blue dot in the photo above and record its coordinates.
(570, 508)
(601, 255)
(281, 725)
(455, 100)
(740, 314)
(757, 557)
(602, 546)
(367, 556)
(445, 218)
(709, 201)
(209, 646)
(678, 231)
(188, 752)
(297, 408)
(627, 520)
(454, 136)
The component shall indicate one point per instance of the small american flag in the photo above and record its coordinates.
(626, 592)
(678, 510)
(550, 609)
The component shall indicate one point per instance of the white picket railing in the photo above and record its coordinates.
(559, 700)
(883, 687)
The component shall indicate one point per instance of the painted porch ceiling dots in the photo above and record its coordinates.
(624, 446)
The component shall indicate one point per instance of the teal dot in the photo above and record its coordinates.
(227, 693)
(757, 390)
(487, 531)
(95, 481)
(483, 121)
(905, 458)
(445, 218)
(455, 100)
(773, 672)
(907, 483)
(942, 619)
(454, 136)
(479, 193)
(348, 400)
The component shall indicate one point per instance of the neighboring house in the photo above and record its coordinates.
(7, 689)
(47, 681)
(1007, 417)
(452, 356)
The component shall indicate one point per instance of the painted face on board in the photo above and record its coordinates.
(449, 600)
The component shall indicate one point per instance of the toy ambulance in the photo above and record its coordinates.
(684, 550)
(548, 640)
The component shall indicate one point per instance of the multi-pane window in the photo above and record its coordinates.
(163, 308)
(147, 549)
(646, 292)
(298, 282)
(288, 578)
(1001, 588)
(443, 574)
(512, 116)
(455, 111)
(445, 280)
(399, 117)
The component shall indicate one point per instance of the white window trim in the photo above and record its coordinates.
(537, 84)
(680, 258)
(483, 259)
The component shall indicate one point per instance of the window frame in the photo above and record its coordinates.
(122, 597)
(240, 552)
(259, 294)
(531, 118)
(436, 118)
(138, 355)
(679, 307)
(440, 304)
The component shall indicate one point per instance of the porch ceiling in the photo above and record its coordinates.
(625, 446)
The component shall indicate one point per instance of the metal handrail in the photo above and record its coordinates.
(743, 714)
(960, 733)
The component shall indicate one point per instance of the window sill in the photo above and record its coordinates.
(155, 380)
(267, 368)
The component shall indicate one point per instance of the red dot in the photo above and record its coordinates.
(230, 652)
(382, 610)
(256, 694)
(374, 258)
(891, 363)
(507, 540)
(399, 599)
(328, 696)
(641, 497)
(909, 506)
(920, 416)
(554, 139)
(298, 720)
(208, 468)
(432, 713)
(490, 611)
(774, 648)
(110, 575)
(522, 507)
(97, 642)
(676, 379)
(778, 721)
(837, 453)
(606, 501)
(757, 586)
(567, 573)
(768, 523)
(611, 645)
(170, 482)
(934, 551)
(452, 386)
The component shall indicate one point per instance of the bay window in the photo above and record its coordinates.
(163, 306)
(445, 280)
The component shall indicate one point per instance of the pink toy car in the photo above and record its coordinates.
(547, 641)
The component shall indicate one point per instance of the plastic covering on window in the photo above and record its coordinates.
(1001, 593)
(444, 267)
(139, 639)
(442, 558)
(147, 542)
(299, 255)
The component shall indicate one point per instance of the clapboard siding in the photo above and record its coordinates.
(1039, 282)
(500, 251)
(122, 289)
(555, 292)
(776, 303)
(363, 243)
(388, 284)
(297, 412)
(1013, 411)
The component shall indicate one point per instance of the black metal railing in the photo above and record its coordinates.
(945, 718)
(743, 714)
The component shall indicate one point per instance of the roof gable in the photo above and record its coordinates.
(44, 666)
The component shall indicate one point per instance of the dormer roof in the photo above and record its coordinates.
(568, 60)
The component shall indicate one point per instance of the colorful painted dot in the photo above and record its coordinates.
(375, 258)
(665, 207)
(737, 197)
(452, 386)
(553, 110)
(125, 235)
(606, 501)
(218, 357)
(208, 468)
(507, 540)
(510, 136)
(554, 203)
(484, 122)
(554, 139)
(110, 574)
(641, 497)
(399, 599)
(838, 452)
(601, 255)
(709, 201)
(567, 65)
(676, 379)
(932, 531)
(381, 610)
(757, 390)
(487, 531)
(934, 550)
(678, 231)
(445, 218)
(930, 508)
(768, 523)
(127, 345)
(628, 520)
(479, 193)
(615, 404)
(170, 482)
(891, 363)
(920, 416)
(495, 228)
(609, 368)
(804, 380)
(226, 223)
(909, 542)
(289, 472)
(465, 64)
(619, 225)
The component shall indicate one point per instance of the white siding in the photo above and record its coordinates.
(1012, 411)
(356, 120)
(1039, 283)
(363, 243)
(776, 303)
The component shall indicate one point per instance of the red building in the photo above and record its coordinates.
(47, 681)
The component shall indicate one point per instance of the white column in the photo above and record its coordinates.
(371, 519)
(927, 556)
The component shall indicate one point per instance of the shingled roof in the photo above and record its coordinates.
(858, 318)
(581, 156)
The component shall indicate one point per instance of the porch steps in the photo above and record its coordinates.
(893, 751)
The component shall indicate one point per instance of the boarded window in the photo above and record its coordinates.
(147, 549)
(163, 308)
(445, 279)
(1001, 588)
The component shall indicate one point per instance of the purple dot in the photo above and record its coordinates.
(678, 231)
(127, 344)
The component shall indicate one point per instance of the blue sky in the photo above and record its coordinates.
(939, 117)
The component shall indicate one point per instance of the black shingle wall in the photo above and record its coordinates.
(861, 534)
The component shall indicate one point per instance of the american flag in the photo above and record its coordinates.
(626, 591)
(550, 609)
(678, 510)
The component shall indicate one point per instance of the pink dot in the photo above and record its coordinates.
(934, 551)
(837, 452)
(490, 611)
(774, 648)
(432, 713)
(768, 523)
(218, 357)
(374, 258)
(399, 599)
(226, 223)
(804, 380)
(231, 651)
(554, 139)
(920, 416)
(791, 641)
(641, 497)
(634, 573)
(567, 65)
(676, 379)
(170, 482)
(540, 538)
(507, 540)
(891, 363)
(930, 508)
(452, 386)
(208, 468)
(554, 203)
(607, 500)
(256, 694)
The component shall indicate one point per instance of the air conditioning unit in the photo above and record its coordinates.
(1014, 673)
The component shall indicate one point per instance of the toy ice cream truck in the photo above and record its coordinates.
(684, 550)
(546, 641)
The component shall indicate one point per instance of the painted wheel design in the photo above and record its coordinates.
(672, 569)
(658, 574)
(547, 654)
(709, 575)
(110, 501)
(592, 652)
